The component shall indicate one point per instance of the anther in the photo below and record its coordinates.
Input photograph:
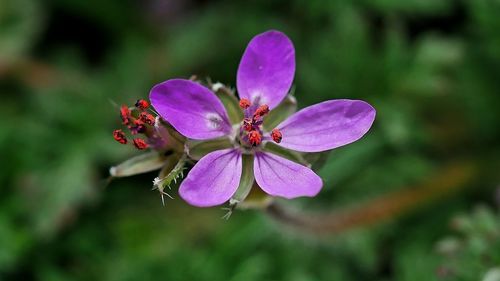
(142, 104)
(261, 111)
(247, 124)
(255, 138)
(138, 127)
(125, 114)
(245, 103)
(119, 136)
(140, 144)
(147, 118)
(276, 135)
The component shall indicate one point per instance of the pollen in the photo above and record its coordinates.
(255, 138)
(261, 111)
(147, 118)
(247, 124)
(245, 103)
(119, 136)
(142, 104)
(125, 114)
(140, 144)
(276, 135)
(137, 127)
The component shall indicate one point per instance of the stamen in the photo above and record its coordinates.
(247, 124)
(138, 127)
(147, 118)
(142, 104)
(140, 144)
(245, 103)
(276, 135)
(255, 138)
(125, 114)
(261, 111)
(119, 136)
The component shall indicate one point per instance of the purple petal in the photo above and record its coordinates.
(266, 69)
(327, 125)
(192, 109)
(278, 176)
(213, 180)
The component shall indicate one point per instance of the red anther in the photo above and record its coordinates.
(255, 138)
(119, 136)
(261, 111)
(276, 135)
(147, 118)
(125, 114)
(140, 144)
(247, 124)
(142, 104)
(137, 127)
(245, 103)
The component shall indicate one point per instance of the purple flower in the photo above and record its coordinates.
(265, 75)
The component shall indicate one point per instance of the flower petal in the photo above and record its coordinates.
(213, 180)
(192, 109)
(266, 69)
(278, 176)
(327, 125)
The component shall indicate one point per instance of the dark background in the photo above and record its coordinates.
(418, 195)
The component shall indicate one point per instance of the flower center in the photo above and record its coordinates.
(251, 132)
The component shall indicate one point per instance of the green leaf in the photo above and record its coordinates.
(197, 149)
(139, 164)
(286, 108)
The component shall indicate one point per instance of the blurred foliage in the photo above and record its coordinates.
(430, 68)
(472, 251)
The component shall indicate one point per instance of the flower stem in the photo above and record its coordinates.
(447, 180)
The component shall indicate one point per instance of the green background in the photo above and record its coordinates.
(430, 68)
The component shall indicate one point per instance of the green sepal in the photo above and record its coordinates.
(257, 199)
(246, 181)
(175, 139)
(197, 149)
(169, 166)
(139, 164)
(317, 159)
(171, 172)
(286, 108)
(285, 153)
(231, 103)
